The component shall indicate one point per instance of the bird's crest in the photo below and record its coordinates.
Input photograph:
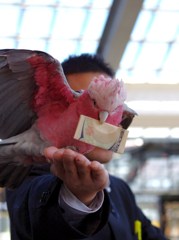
(108, 93)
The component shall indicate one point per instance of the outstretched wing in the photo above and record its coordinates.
(28, 81)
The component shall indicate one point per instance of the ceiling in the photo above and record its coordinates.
(140, 39)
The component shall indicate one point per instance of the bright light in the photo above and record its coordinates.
(174, 133)
(155, 107)
(138, 142)
(141, 133)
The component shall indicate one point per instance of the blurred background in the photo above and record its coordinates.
(140, 39)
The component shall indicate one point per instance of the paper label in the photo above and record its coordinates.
(102, 135)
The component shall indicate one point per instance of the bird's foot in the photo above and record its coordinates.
(72, 148)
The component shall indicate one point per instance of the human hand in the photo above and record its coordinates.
(81, 176)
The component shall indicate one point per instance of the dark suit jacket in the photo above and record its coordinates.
(35, 214)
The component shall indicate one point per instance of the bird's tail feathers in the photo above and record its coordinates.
(18, 154)
(12, 171)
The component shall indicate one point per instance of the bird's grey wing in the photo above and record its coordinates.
(24, 74)
(16, 90)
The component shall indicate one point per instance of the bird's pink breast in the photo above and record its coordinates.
(58, 124)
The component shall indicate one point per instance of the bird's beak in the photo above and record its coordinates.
(103, 116)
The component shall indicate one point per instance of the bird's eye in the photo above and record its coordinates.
(94, 101)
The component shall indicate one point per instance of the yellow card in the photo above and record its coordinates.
(138, 229)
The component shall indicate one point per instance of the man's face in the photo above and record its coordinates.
(80, 81)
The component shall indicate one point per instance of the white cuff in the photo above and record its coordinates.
(71, 200)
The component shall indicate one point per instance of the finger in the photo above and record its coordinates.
(58, 170)
(59, 162)
(69, 163)
(49, 152)
(82, 165)
(55, 157)
(99, 173)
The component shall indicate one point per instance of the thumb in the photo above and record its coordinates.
(49, 152)
(99, 174)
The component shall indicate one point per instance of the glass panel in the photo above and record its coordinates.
(36, 22)
(40, 2)
(76, 3)
(61, 49)
(142, 24)
(9, 20)
(151, 56)
(41, 24)
(101, 3)
(10, 1)
(7, 43)
(130, 55)
(64, 27)
(172, 62)
(93, 28)
(150, 4)
(87, 46)
(31, 43)
(169, 5)
(164, 27)
(153, 45)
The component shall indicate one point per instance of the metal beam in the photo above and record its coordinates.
(156, 104)
(152, 92)
(146, 121)
(118, 29)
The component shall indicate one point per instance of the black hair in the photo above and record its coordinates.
(86, 63)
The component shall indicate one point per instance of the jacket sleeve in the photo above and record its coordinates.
(35, 212)
(121, 191)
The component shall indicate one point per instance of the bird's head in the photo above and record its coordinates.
(107, 93)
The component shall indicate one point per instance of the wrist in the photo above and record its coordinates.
(71, 200)
(87, 200)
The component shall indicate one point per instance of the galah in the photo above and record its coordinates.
(39, 109)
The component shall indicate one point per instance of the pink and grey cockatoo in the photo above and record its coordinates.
(39, 109)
